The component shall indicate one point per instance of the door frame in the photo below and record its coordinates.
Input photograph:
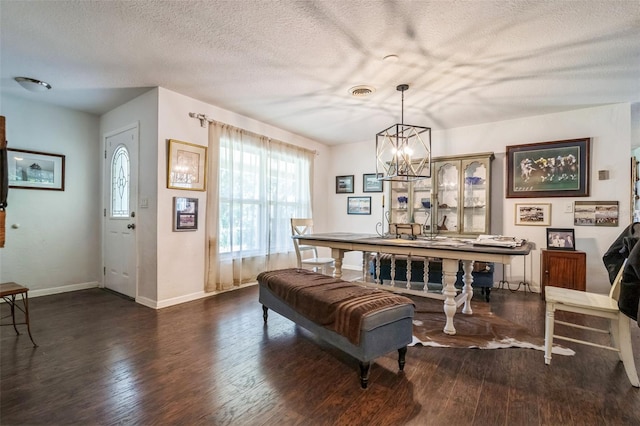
(106, 197)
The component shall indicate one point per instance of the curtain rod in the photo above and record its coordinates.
(202, 117)
(205, 119)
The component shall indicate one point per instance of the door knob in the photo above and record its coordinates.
(131, 226)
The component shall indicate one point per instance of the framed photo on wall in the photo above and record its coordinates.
(35, 170)
(187, 166)
(548, 169)
(358, 205)
(185, 214)
(371, 183)
(533, 214)
(561, 239)
(344, 184)
(595, 213)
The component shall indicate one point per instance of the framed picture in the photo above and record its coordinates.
(358, 205)
(560, 239)
(344, 184)
(185, 214)
(548, 169)
(35, 170)
(595, 213)
(371, 183)
(533, 214)
(187, 166)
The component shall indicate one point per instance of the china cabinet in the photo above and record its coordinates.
(455, 201)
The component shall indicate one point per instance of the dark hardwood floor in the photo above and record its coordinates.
(105, 360)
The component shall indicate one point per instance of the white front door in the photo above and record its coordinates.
(121, 193)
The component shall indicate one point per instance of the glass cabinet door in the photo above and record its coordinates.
(475, 216)
(448, 178)
(399, 203)
(421, 203)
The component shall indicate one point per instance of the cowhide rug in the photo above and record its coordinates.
(483, 329)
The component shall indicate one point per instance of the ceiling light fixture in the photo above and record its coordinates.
(403, 151)
(361, 91)
(33, 85)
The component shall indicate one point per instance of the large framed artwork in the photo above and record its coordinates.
(548, 169)
(187, 166)
(35, 170)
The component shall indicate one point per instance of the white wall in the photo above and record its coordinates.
(610, 130)
(56, 246)
(181, 275)
(144, 111)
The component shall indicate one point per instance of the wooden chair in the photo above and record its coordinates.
(598, 305)
(8, 292)
(301, 227)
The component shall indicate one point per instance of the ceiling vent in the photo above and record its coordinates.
(361, 91)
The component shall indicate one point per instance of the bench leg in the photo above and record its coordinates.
(402, 352)
(265, 313)
(364, 374)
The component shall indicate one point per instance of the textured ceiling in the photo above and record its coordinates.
(291, 63)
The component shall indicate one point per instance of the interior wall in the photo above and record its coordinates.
(181, 275)
(142, 110)
(608, 126)
(53, 237)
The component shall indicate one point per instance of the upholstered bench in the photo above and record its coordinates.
(363, 322)
(482, 272)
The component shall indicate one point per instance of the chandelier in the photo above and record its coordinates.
(403, 151)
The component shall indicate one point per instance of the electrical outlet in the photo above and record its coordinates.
(568, 208)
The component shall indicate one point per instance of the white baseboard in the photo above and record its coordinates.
(170, 302)
(63, 289)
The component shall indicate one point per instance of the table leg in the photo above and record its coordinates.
(467, 289)
(337, 255)
(449, 274)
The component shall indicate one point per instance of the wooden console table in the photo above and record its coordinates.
(9, 291)
(450, 252)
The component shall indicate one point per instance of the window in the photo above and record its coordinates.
(262, 184)
(120, 168)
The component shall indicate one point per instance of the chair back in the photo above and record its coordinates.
(614, 293)
(302, 227)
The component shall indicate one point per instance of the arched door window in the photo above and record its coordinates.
(120, 180)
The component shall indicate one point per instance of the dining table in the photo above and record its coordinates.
(451, 251)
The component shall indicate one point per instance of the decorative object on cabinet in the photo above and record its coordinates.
(358, 205)
(454, 201)
(344, 184)
(561, 239)
(548, 169)
(595, 213)
(403, 151)
(185, 214)
(35, 170)
(533, 214)
(412, 230)
(187, 166)
(562, 268)
(372, 182)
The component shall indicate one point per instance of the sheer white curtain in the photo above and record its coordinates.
(256, 185)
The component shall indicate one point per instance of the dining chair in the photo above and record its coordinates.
(596, 305)
(308, 255)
